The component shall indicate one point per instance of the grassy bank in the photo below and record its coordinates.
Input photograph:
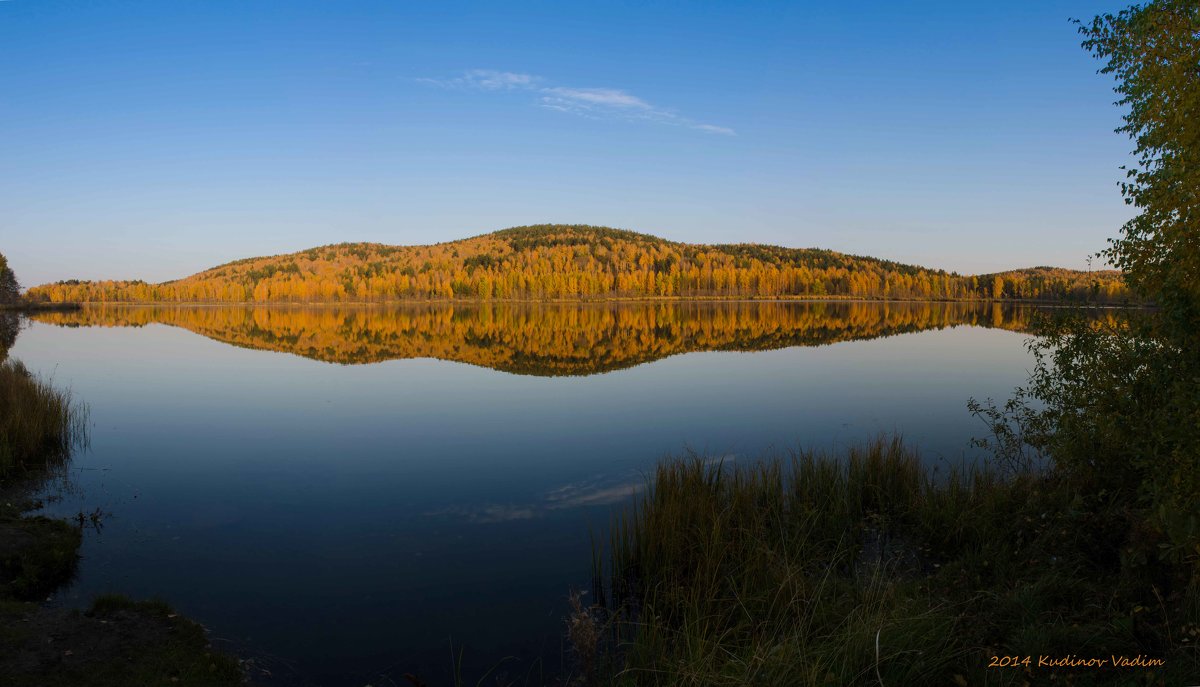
(115, 643)
(869, 568)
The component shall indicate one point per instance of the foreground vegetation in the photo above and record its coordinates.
(575, 261)
(870, 568)
(39, 424)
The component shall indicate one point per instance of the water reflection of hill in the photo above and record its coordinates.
(547, 340)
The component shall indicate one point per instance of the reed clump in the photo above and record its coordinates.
(40, 425)
(871, 568)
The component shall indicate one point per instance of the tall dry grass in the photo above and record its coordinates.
(40, 425)
(866, 568)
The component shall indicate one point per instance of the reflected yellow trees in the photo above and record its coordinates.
(547, 339)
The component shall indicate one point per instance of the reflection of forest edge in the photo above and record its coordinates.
(548, 340)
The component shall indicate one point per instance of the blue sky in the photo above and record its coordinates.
(153, 139)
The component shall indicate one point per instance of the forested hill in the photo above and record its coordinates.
(573, 261)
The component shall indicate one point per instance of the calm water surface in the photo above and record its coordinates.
(355, 491)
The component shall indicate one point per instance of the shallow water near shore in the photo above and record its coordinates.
(358, 492)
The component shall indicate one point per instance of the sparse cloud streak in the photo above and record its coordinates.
(487, 80)
(599, 97)
(595, 103)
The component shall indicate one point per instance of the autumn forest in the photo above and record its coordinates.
(566, 262)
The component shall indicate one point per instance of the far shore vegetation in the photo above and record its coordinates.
(11, 299)
(32, 307)
(574, 262)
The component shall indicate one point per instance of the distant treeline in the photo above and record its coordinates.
(570, 261)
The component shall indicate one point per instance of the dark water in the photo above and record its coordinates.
(356, 491)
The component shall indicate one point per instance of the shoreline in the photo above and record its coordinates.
(76, 305)
(40, 307)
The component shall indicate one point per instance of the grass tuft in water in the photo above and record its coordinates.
(40, 425)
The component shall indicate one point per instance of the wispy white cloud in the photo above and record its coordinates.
(490, 80)
(487, 80)
(596, 97)
(714, 129)
(596, 103)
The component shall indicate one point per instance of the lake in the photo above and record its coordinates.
(351, 494)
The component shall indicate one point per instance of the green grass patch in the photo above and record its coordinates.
(118, 642)
(109, 604)
(37, 555)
